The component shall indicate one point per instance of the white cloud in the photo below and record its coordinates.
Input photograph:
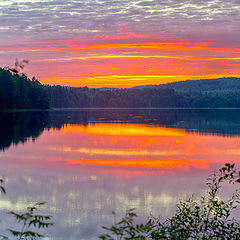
(58, 19)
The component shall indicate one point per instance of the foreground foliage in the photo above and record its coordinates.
(29, 222)
(2, 189)
(210, 217)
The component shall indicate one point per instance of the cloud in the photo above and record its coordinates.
(53, 19)
(117, 37)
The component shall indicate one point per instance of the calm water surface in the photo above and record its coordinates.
(87, 163)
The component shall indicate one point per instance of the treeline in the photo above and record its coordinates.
(89, 97)
(64, 97)
(202, 85)
(19, 92)
(213, 99)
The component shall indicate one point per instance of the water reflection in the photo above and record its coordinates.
(19, 127)
(215, 121)
(87, 163)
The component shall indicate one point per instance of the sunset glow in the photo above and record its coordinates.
(124, 45)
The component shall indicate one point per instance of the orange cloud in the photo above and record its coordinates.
(151, 46)
(125, 60)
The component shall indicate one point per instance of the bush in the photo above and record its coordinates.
(208, 217)
(28, 222)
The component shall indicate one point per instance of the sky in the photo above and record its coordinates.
(121, 43)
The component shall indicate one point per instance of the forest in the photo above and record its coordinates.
(19, 92)
(146, 97)
(90, 97)
(202, 85)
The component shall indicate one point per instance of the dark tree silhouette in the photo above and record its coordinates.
(19, 65)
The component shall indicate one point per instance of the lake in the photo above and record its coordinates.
(86, 163)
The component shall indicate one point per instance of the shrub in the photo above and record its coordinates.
(29, 222)
(208, 217)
